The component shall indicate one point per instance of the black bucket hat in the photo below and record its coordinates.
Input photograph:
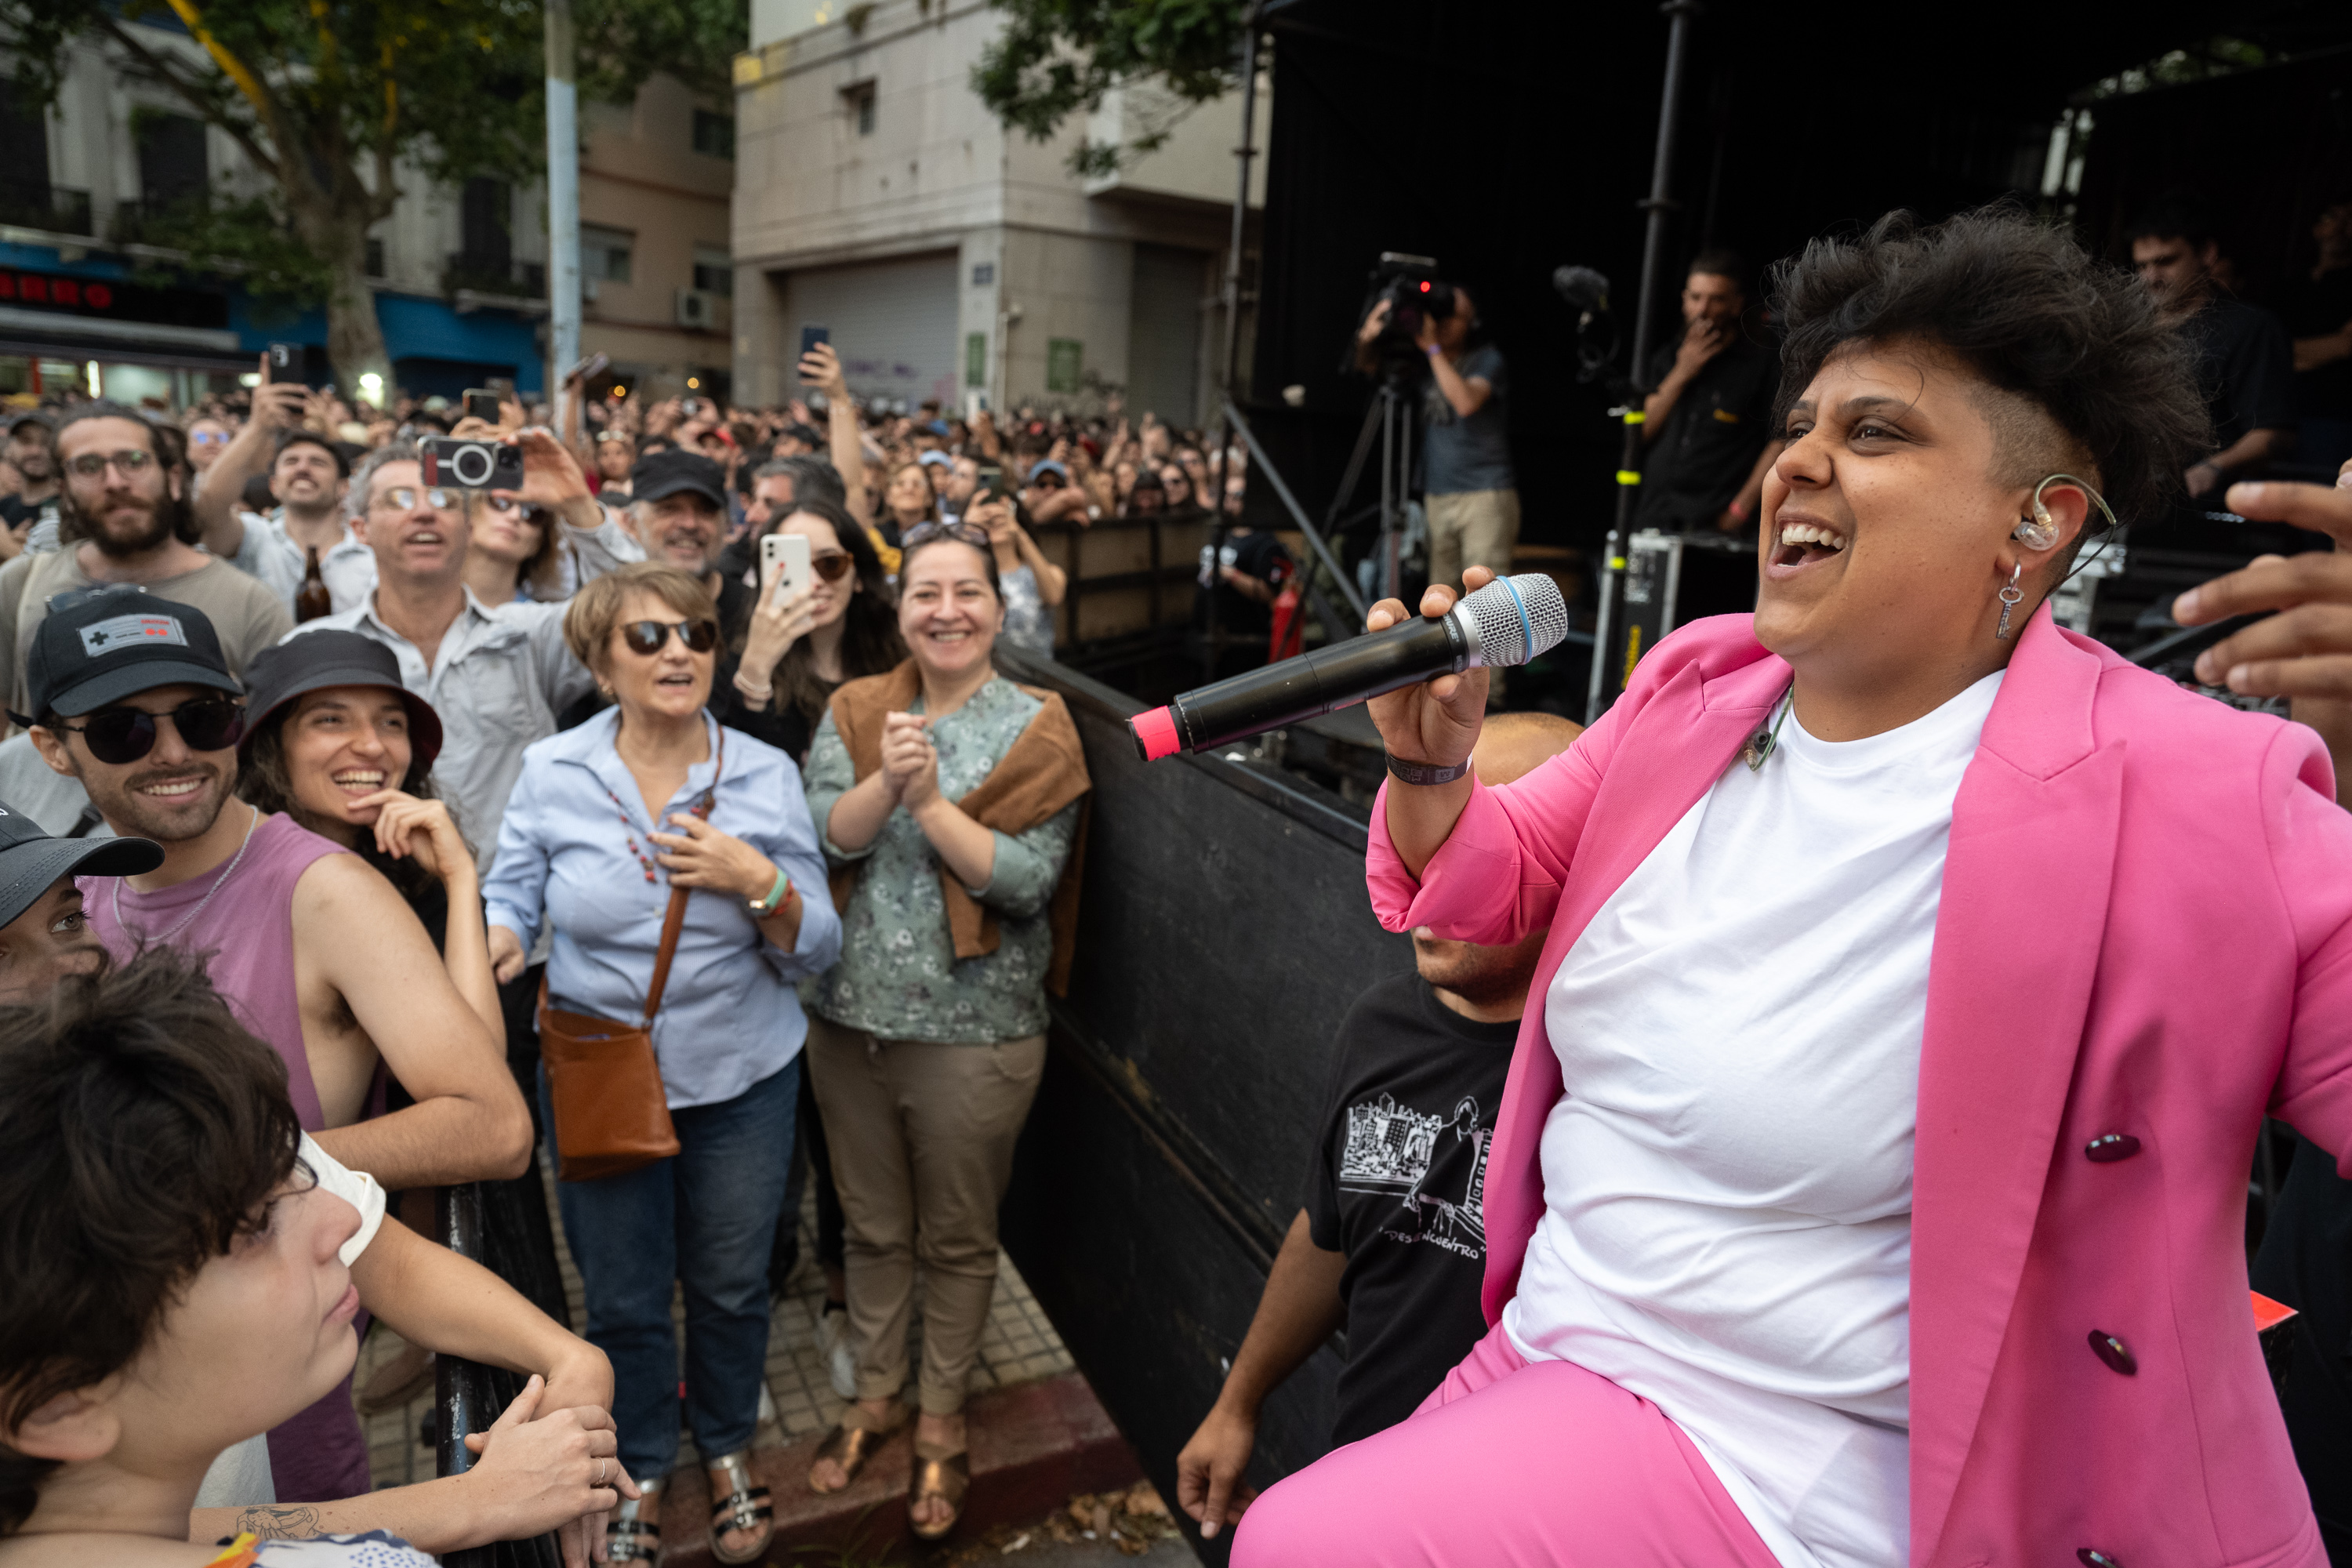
(312, 662)
(31, 861)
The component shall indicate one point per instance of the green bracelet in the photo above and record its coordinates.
(762, 908)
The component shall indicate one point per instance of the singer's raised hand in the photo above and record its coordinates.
(1436, 722)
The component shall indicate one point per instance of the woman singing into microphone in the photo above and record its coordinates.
(1870, 1184)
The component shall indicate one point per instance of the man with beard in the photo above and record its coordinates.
(30, 453)
(318, 954)
(496, 674)
(1390, 1244)
(126, 522)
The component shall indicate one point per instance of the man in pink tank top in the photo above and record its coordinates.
(316, 952)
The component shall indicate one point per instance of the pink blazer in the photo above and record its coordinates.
(2145, 936)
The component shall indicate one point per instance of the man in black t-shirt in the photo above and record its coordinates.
(1391, 1242)
(1244, 580)
(2317, 307)
(1704, 429)
(2244, 363)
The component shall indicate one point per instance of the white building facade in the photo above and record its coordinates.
(950, 260)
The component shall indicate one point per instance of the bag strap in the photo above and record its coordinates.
(673, 918)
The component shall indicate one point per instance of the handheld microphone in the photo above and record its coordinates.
(1509, 621)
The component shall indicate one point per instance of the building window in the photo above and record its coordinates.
(605, 254)
(1064, 357)
(859, 101)
(714, 134)
(376, 259)
(975, 359)
(714, 269)
(173, 168)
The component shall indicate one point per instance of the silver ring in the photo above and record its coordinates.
(600, 1472)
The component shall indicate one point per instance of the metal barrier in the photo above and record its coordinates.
(488, 1222)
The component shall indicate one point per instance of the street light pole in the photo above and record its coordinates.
(563, 203)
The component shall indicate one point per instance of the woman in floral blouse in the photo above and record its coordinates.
(950, 801)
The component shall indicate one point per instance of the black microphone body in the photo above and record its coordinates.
(1318, 682)
(1507, 622)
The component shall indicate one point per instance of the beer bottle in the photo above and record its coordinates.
(313, 599)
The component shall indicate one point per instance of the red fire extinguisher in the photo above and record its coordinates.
(1289, 627)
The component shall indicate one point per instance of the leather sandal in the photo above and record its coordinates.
(853, 1442)
(745, 1507)
(944, 1475)
(629, 1538)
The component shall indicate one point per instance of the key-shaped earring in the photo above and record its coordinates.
(2011, 597)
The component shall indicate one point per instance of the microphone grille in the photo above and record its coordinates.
(1517, 618)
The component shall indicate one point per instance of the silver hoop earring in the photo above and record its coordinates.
(2011, 597)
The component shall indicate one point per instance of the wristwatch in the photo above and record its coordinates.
(762, 908)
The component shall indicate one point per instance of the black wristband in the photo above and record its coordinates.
(1424, 773)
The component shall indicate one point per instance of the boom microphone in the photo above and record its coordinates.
(1509, 621)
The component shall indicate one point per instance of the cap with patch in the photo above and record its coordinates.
(673, 472)
(31, 861)
(117, 643)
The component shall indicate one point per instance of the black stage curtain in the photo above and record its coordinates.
(1506, 139)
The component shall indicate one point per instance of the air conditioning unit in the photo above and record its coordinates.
(697, 307)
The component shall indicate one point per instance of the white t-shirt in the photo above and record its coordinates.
(1727, 1226)
(241, 1476)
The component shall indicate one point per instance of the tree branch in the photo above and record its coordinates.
(158, 68)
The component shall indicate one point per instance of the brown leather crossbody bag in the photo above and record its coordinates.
(604, 1080)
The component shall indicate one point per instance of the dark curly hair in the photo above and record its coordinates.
(2037, 317)
(145, 1130)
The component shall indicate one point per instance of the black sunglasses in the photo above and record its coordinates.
(120, 735)
(647, 636)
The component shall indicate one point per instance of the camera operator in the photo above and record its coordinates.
(1704, 426)
(1472, 497)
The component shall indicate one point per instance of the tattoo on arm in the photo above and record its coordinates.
(279, 1523)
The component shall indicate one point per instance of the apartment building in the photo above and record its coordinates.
(656, 176)
(876, 198)
(458, 272)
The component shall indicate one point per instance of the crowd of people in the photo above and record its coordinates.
(328, 792)
(362, 835)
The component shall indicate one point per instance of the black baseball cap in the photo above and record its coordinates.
(31, 861)
(674, 472)
(312, 662)
(96, 647)
(27, 416)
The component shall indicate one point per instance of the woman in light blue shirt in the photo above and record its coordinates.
(601, 827)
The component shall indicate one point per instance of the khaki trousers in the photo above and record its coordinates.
(922, 1138)
(1470, 528)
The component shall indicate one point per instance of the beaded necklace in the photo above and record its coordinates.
(700, 808)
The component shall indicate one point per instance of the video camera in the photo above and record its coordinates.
(1415, 294)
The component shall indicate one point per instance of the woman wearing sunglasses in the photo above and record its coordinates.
(951, 799)
(514, 553)
(607, 819)
(801, 646)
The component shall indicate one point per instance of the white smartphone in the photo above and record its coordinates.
(787, 554)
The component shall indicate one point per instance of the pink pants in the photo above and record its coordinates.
(1509, 1463)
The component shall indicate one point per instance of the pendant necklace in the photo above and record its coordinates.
(189, 918)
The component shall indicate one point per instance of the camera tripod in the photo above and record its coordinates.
(1391, 414)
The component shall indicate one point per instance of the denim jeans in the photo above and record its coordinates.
(706, 1218)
